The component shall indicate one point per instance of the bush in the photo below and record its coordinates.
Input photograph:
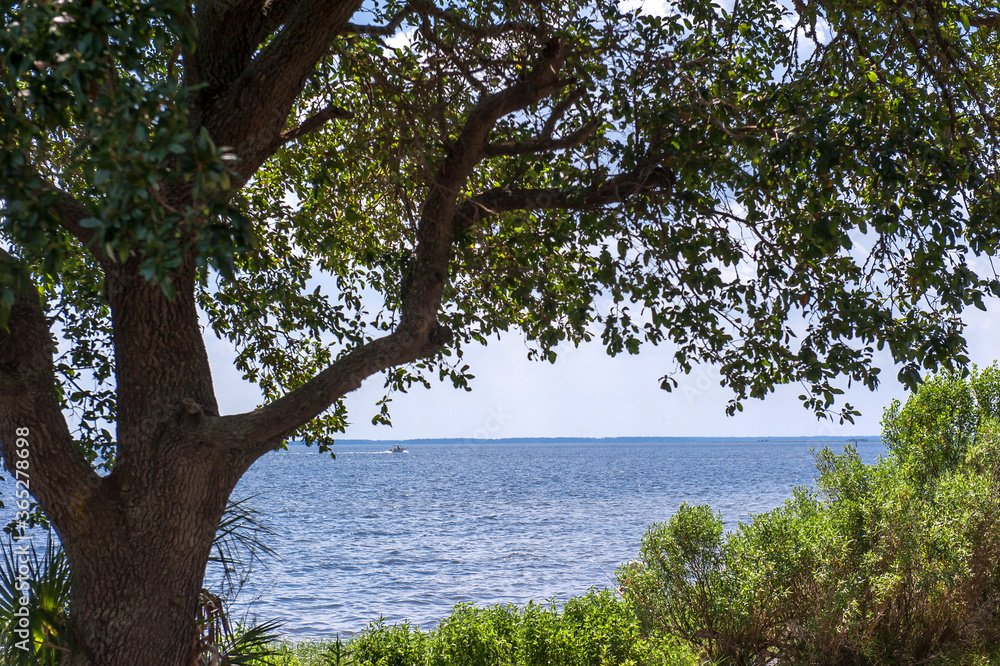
(593, 629)
(596, 629)
(896, 562)
(380, 645)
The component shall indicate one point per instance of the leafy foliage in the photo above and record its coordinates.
(241, 544)
(34, 604)
(597, 629)
(890, 563)
(346, 190)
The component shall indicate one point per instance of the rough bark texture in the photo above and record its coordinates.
(137, 578)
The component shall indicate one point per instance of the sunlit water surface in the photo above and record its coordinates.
(409, 535)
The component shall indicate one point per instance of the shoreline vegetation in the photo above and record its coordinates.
(896, 562)
(596, 628)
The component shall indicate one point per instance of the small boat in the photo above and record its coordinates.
(397, 449)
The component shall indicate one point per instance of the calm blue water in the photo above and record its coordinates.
(407, 536)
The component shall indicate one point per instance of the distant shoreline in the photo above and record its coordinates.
(601, 440)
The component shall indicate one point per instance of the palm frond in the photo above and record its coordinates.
(34, 603)
(240, 545)
(251, 646)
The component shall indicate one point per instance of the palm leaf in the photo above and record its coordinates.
(34, 602)
(240, 545)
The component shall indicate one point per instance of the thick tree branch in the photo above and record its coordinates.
(542, 81)
(543, 144)
(265, 428)
(56, 472)
(229, 34)
(160, 337)
(435, 232)
(418, 333)
(314, 122)
(387, 30)
(617, 189)
(251, 112)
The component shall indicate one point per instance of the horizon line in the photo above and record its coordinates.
(623, 438)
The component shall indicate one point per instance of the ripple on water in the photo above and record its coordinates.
(372, 534)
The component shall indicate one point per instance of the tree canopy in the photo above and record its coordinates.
(779, 190)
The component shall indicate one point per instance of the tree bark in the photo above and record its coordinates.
(136, 581)
(138, 571)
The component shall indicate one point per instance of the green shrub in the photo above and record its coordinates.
(476, 636)
(897, 562)
(596, 629)
(381, 645)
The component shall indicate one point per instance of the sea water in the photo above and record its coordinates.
(406, 536)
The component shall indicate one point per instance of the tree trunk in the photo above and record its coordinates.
(136, 580)
(144, 616)
(138, 539)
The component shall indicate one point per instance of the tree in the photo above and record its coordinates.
(575, 169)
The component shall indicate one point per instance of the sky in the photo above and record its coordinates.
(588, 394)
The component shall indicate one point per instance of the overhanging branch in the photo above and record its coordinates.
(265, 428)
(615, 190)
(543, 144)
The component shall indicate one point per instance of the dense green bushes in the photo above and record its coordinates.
(597, 629)
(898, 562)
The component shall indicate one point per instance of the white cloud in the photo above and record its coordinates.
(650, 7)
(402, 39)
